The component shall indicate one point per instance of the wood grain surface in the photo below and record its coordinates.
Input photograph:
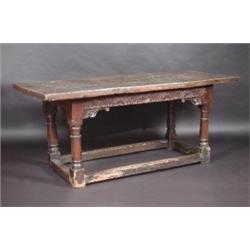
(119, 84)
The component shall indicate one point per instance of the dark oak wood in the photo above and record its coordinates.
(50, 110)
(94, 105)
(179, 146)
(140, 168)
(119, 150)
(117, 85)
(127, 170)
(205, 108)
(75, 113)
(84, 98)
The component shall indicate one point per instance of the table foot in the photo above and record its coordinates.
(205, 152)
(77, 178)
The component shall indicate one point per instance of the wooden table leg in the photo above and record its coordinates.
(75, 114)
(50, 110)
(204, 121)
(171, 132)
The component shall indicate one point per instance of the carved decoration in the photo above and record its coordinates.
(196, 101)
(91, 113)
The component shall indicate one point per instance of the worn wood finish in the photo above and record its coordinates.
(50, 110)
(117, 85)
(122, 171)
(119, 150)
(205, 108)
(76, 177)
(94, 105)
(144, 167)
(179, 146)
(192, 155)
(75, 113)
(84, 98)
(61, 169)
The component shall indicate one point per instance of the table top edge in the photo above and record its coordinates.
(123, 90)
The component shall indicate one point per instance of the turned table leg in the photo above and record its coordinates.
(204, 121)
(75, 120)
(50, 110)
(171, 133)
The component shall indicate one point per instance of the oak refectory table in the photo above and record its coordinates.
(84, 98)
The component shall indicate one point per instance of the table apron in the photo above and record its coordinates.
(93, 105)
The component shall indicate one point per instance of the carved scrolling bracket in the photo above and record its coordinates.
(197, 101)
(91, 113)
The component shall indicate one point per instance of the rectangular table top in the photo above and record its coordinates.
(119, 84)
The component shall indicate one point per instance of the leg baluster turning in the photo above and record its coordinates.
(50, 115)
(75, 119)
(204, 121)
(204, 147)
